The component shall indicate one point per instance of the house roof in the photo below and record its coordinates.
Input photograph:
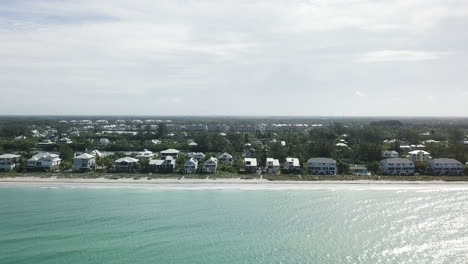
(44, 156)
(85, 156)
(295, 161)
(321, 160)
(397, 160)
(419, 151)
(170, 151)
(211, 160)
(127, 159)
(253, 161)
(445, 160)
(275, 162)
(9, 156)
(225, 154)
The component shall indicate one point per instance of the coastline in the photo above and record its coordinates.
(224, 184)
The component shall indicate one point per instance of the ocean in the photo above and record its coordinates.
(137, 225)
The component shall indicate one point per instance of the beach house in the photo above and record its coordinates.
(191, 166)
(44, 161)
(211, 165)
(250, 165)
(9, 162)
(225, 158)
(397, 166)
(292, 164)
(126, 164)
(445, 166)
(321, 166)
(84, 162)
(166, 165)
(272, 166)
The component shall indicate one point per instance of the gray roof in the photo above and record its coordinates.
(85, 156)
(126, 159)
(321, 160)
(445, 160)
(9, 156)
(397, 160)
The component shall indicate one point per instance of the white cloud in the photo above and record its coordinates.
(399, 56)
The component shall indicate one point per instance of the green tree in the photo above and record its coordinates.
(162, 130)
(343, 168)
(66, 153)
(374, 167)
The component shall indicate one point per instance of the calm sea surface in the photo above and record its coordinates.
(80, 225)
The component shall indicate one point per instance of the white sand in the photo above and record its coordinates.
(234, 183)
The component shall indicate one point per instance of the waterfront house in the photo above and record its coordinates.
(166, 165)
(126, 164)
(397, 166)
(419, 156)
(272, 166)
(292, 165)
(250, 165)
(225, 158)
(170, 152)
(145, 155)
(321, 166)
(191, 166)
(211, 165)
(390, 154)
(445, 166)
(44, 161)
(84, 162)
(9, 162)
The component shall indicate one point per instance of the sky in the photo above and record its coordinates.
(234, 57)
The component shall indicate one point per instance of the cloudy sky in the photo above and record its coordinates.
(234, 57)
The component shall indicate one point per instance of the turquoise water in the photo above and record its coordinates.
(66, 225)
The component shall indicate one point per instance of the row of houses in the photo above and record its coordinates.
(167, 163)
(402, 166)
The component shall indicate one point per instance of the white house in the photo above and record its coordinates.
(272, 166)
(445, 166)
(84, 162)
(390, 154)
(170, 152)
(321, 166)
(250, 165)
(145, 155)
(126, 164)
(8, 162)
(419, 156)
(191, 166)
(292, 164)
(45, 161)
(166, 165)
(225, 158)
(200, 157)
(397, 166)
(45, 142)
(211, 165)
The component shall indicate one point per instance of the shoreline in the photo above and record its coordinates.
(225, 184)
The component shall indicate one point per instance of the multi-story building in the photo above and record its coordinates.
(419, 156)
(250, 165)
(389, 154)
(321, 166)
(166, 165)
(44, 161)
(191, 166)
(226, 158)
(397, 166)
(84, 162)
(292, 165)
(169, 152)
(211, 165)
(126, 164)
(445, 166)
(272, 166)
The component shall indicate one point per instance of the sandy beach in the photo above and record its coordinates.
(231, 183)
